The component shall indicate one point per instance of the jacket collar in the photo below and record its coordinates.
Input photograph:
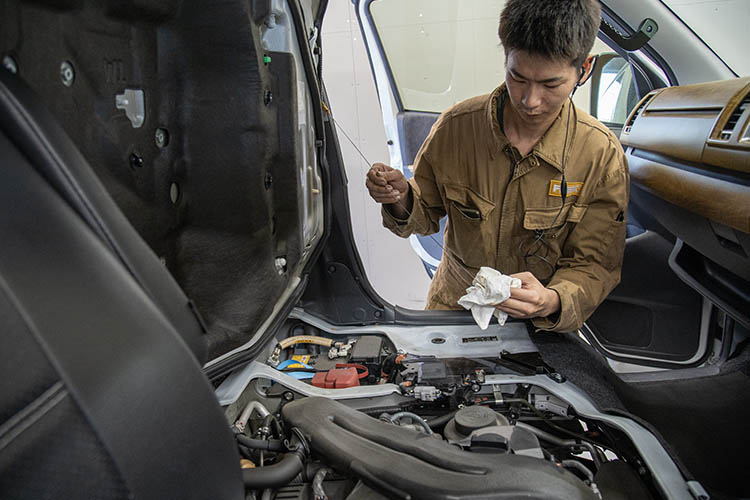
(550, 146)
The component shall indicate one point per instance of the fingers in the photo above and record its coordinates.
(516, 309)
(527, 279)
(375, 176)
(385, 184)
(383, 194)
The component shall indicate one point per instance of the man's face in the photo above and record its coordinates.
(538, 86)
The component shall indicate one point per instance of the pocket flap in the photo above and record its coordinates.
(546, 218)
(468, 198)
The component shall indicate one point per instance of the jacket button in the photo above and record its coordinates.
(534, 161)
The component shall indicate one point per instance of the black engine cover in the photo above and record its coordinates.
(402, 463)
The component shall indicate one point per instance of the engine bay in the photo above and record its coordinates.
(345, 415)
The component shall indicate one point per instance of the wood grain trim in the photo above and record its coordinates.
(715, 199)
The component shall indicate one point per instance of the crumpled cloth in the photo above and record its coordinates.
(489, 288)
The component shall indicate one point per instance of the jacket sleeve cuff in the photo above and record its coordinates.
(566, 320)
(393, 223)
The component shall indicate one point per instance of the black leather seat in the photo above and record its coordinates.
(101, 396)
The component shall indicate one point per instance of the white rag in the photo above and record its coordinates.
(489, 288)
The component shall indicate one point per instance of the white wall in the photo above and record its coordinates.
(392, 267)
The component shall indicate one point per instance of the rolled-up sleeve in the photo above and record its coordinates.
(591, 260)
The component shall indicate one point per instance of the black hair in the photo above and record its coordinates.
(557, 29)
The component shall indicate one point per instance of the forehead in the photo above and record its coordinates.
(537, 67)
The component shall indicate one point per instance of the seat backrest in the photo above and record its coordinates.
(100, 396)
(49, 150)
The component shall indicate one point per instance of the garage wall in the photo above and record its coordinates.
(393, 268)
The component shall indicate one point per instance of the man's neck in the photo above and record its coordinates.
(523, 136)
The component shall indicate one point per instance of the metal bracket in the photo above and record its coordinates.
(131, 101)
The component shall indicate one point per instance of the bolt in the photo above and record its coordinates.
(267, 97)
(378, 314)
(10, 64)
(557, 377)
(161, 136)
(331, 269)
(135, 161)
(288, 396)
(67, 74)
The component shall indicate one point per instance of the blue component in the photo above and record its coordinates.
(290, 362)
(300, 375)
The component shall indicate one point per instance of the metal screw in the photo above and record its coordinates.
(288, 395)
(161, 136)
(67, 73)
(378, 314)
(136, 161)
(10, 64)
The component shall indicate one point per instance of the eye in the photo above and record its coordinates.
(553, 86)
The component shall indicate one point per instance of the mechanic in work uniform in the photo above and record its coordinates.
(497, 165)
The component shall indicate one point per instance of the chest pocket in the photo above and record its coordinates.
(470, 234)
(546, 230)
(549, 219)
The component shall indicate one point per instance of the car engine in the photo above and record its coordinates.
(344, 416)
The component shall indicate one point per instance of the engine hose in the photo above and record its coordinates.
(440, 421)
(273, 476)
(305, 339)
(550, 438)
(261, 444)
(398, 416)
(271, 422)
(247, 411)
(317, 483)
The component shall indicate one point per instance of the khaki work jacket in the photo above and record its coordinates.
(504, 211)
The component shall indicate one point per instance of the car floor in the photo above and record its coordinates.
(703, 420)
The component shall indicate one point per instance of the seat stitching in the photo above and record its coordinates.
(29, 415)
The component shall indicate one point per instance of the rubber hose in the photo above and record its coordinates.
(442, 420)
(272, 423)
(261, 444)
(273, 476)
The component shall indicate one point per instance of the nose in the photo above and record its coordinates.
(532, 97)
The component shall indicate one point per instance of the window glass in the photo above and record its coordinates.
(616, 92)
(441, 51)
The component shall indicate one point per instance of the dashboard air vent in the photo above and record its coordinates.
(638, 111)
(726, 132)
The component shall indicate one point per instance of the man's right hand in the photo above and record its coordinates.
(389, 187)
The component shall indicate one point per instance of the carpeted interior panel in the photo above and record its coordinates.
(219, 202)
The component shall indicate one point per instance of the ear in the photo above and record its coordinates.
(587, 69)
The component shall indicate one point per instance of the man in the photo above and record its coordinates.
(531, 185)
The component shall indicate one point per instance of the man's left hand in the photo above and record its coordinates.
(532, 300)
